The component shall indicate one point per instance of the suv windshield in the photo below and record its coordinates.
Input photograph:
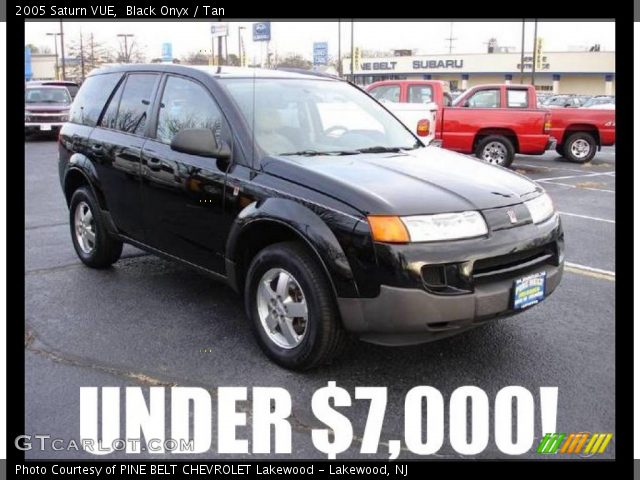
(314, 117)
(58, 96)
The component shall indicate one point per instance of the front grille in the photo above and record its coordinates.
(44, 119)
(512, 262)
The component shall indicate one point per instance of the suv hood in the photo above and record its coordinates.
(422, 181)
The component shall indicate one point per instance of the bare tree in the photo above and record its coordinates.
(196, 58)
(293, 61)
(132, 54)
(88, 51)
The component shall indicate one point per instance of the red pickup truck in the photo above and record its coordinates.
(497, 121)
(492, 121)
(580, 132)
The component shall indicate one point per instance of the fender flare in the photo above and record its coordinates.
(80, 164)
(305, 224)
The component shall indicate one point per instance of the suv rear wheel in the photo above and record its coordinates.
(291, 307)
(93, 244)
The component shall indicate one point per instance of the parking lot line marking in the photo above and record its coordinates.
(566, 177)
(590, 271)
(551, 168)
(587, 217)
(574, 186)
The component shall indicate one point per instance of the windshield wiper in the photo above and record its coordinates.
(382, 149)
(315, 153)
(379, 149)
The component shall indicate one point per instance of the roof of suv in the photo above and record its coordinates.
(215, 72)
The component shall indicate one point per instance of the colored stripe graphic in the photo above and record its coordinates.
(572, 443)
(550, 442)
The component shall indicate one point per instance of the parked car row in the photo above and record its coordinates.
(576, 101)
(495, 122)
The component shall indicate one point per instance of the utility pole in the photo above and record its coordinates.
(55, 49)
(339, 50)
(127, 53)
(92, 58)
(220, 62)
(240, 29)
(535, 40)
(522, 55)
(64, 74)
(81, 57)
(450, 39)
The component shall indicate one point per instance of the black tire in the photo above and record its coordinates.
(105, 249)
(502, 150)
(323, 337)
(575, 145)
(560, 149)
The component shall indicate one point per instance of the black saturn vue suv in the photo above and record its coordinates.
(310, 199)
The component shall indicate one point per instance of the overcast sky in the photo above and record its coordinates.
(298, 37)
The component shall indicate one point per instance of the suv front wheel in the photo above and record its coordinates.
(93, 244)
(291, 307)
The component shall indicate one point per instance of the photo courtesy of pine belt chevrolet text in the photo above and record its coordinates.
(327, 214)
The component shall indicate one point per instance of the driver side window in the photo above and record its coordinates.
(185, 104)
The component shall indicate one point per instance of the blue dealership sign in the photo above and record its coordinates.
(320, 53)
(27, 64)
(167, 52)
(262, 32)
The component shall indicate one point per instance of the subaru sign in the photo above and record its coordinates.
(320, 53)
(167, 53)
(262, 32)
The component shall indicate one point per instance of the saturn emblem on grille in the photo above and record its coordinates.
(512, 216)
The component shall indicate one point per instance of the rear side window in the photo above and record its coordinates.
(91, 98)
(128, 109)
(420, 94)
(390, 93)
(517, 98)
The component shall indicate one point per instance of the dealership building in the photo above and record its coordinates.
(588, 73)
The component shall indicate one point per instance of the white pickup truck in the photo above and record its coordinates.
(420, 118)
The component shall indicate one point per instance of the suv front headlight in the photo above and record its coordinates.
(445, 226)
(428, 228)
(540, 208)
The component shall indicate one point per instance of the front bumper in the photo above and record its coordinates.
(407, 316)
(479, 274)
(43, 127)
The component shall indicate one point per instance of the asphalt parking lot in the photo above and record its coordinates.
(151, 322)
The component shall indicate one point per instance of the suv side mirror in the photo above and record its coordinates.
(200, 141)
(466, 103)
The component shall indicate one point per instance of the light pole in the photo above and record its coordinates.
(535, 42)
(240, 29)
(339, 51)
(64, 74)
(126, 46)
(353, 52)
(55, 49)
